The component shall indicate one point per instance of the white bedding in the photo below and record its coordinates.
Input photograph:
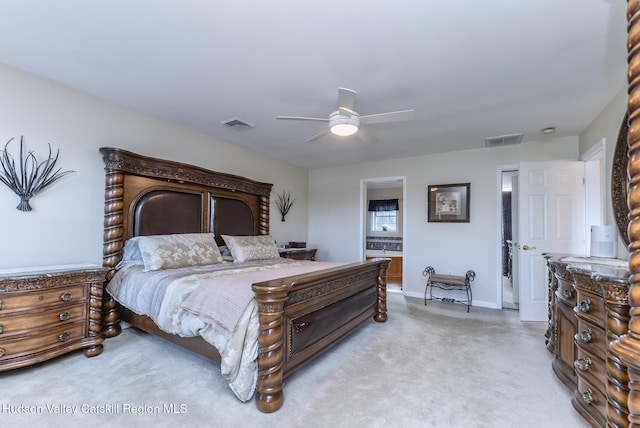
(214, 302)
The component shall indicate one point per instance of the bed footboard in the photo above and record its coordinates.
(303, 316)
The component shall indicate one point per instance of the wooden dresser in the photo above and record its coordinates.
(47, 312)
(600, 315)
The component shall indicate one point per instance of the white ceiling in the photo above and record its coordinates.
(471, 69)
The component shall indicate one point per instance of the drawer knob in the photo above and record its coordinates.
(587, 396)
(585, 335)
(2, 353)
(64, 336)
(66, 296)
(1, 329)
(585, 306)
(0, 303)
(582, 364)
(65, 316)
(567, 293)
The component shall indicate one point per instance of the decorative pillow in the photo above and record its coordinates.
(245, 248)
(178, 250)
(131, 251)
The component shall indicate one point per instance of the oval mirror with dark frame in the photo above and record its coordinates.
(620, 181)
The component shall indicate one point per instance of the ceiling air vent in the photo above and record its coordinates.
(236, 123)
(503, 140)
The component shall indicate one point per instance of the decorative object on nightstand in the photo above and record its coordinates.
(48, 312)
(284, 203)
(31, 177)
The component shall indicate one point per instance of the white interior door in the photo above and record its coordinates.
(552, 220)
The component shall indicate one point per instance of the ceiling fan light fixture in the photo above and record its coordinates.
(343, 126)
(344, 129)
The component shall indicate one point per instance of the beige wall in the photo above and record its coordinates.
(65, 226)
(334, 211)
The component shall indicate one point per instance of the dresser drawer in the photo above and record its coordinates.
(591, 367)
(591, 338)
(41, 340)
(22, 300)
(566, 292)
(592, 399)
(58, 315)
(591, 307)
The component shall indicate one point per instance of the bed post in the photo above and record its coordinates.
(269, 397)
(627, 347)
(381, 314)
(113, 243)
(264, 214)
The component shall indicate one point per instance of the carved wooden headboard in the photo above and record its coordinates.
(149, 196)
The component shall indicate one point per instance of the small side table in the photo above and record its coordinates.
(298, 253)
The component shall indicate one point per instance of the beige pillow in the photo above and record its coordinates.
(246, 248)
(178, 250)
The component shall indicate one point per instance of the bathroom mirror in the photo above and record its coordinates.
(619, 181)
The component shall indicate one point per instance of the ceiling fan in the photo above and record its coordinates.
(346, 121)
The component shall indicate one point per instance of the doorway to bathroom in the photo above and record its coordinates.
(382, 225)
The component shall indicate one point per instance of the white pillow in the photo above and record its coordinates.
(246, 248)
(131, 251)
(177, 250)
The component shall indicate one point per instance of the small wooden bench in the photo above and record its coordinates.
(448, 282)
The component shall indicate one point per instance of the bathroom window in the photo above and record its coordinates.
(384, 215)
(384, 221)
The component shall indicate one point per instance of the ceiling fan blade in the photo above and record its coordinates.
(318, 136)
(393, 116)
(367, 138)
(346, 100)
(315, 119)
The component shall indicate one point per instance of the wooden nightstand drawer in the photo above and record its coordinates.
(23, 323)
(41, 340)
(299, 253)
(26, 300)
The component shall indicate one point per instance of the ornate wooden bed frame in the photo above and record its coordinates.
(300, 317)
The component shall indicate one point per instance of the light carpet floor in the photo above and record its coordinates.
(427, 366)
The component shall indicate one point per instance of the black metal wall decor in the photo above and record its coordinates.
(284, 203)
(29, 177)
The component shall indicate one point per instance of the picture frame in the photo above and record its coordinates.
(449, 203)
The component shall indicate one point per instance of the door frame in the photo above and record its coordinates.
(501, 169)
(364, 182)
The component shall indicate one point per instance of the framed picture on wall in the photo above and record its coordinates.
(449, 202)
